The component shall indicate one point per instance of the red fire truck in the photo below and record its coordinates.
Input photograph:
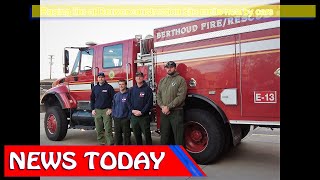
(231, 66)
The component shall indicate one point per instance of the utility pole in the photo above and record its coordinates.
(50, 57)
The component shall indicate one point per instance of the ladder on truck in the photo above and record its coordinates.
(147, 57)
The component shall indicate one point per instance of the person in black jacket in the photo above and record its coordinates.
(140, 103)
(101, 105)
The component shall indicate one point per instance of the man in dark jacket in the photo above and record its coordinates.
(101, 104)
(120, 115)
(171, 95)
(141, 102)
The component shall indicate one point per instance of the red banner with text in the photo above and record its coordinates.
(22, 161)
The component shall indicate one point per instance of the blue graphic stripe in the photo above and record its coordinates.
(185, 160)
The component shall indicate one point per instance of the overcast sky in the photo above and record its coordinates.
(57, 33)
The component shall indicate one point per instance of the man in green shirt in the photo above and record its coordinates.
(171, 95)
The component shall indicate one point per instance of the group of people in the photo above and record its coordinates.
(134, 105)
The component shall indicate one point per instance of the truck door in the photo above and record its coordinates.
(113, 62)
(260, 75)
(81, 77)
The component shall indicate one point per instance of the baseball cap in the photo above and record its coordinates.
(139, 73)
(101, 74)
(170, 64)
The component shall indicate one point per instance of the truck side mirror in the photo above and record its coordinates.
(66, 62)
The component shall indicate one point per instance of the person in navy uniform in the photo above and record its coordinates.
(101, 104)
(121, 115)
(140, 103)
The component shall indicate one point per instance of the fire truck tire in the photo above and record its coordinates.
(244, 130)
(55, 123)
(228, 141)
(204, 136)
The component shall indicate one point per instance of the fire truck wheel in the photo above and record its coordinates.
(204, 136)
(244, 130)
(55, 123)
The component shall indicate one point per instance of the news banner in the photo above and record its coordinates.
(35, 161)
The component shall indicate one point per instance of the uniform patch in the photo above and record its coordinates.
(141, 94)
(173, 84)
(124, 99)
(105, 90)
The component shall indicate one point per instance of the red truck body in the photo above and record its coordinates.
(240, 53)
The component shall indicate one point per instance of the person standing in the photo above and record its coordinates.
(120, 115)
(171, 97)
(141, 102)
(101, 104)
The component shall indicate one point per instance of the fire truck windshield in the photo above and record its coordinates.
(85, 57)
(75, 68)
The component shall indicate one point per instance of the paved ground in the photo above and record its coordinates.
(257, 157)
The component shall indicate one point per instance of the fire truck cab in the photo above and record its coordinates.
(231, 66)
